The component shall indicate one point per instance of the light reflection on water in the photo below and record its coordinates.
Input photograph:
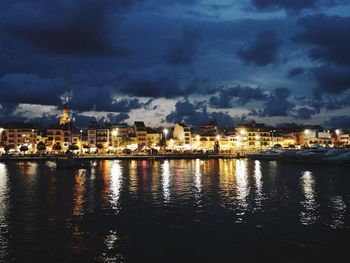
(259, 195)
(108, 211)
(166, 180)
(3, 209)
(309, 214)
(338, 207)
(198, 179)
(116, 184)
(242, 184)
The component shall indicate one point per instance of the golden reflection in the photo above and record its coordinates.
(308, 215)
(242, 183)
(258, 183)
(133, 185)
(29, 168)
(79, 190)
(3, 191)
(166, 180)
(227, 181)
(227, 171)
(116, 184)
(105, 172)
(198, 178)
(155, 178)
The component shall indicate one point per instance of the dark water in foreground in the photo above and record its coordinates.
(175, 211)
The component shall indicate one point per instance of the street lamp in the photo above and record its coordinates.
(165, 131)
(115, 135)
(337, 132)
(243, 131)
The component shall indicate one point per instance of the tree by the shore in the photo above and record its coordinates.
(41, 147)
(57, 147)
(24, 148)
(74, 147)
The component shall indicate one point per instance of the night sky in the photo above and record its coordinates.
(166, 61)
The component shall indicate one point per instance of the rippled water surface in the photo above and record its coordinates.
(175, 211)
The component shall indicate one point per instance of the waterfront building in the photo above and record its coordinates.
(98, 137)
(209, 128)
(313, 137)
(204, 142)
(17, 135)
(59, 135)
(344, 139)
(153, 137)
(253, 136)
(119, 135)
(284, 140)
(140, 132)
(182, 134)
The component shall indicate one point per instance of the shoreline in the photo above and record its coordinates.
(315, 161)
(5, 158)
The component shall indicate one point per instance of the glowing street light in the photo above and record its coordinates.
(307, 132)
(115, 132)
(337, 132)
(243, 131)
(165, 131)
(218, 137)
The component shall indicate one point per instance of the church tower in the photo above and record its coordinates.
(64, 119)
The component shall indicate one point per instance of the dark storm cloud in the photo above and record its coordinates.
(263, 50)
(332, 79)
(157, 84)
(102, 99)
(65, 27)
(29, 88)
(6, 108)
(83, 121)
(171, 49)
(342, 121)
(236, 96)
(303, 113)
(117, 118)
(329, 37)
(183, 50)
(295, 72)
(197, 114)
(294, 6)
(325, 101)
(276, 105)
(289, 5)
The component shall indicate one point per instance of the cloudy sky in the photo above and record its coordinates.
(165, 61)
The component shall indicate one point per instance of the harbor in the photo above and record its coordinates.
(209, 209)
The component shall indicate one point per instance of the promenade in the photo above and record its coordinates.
(35, 157)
